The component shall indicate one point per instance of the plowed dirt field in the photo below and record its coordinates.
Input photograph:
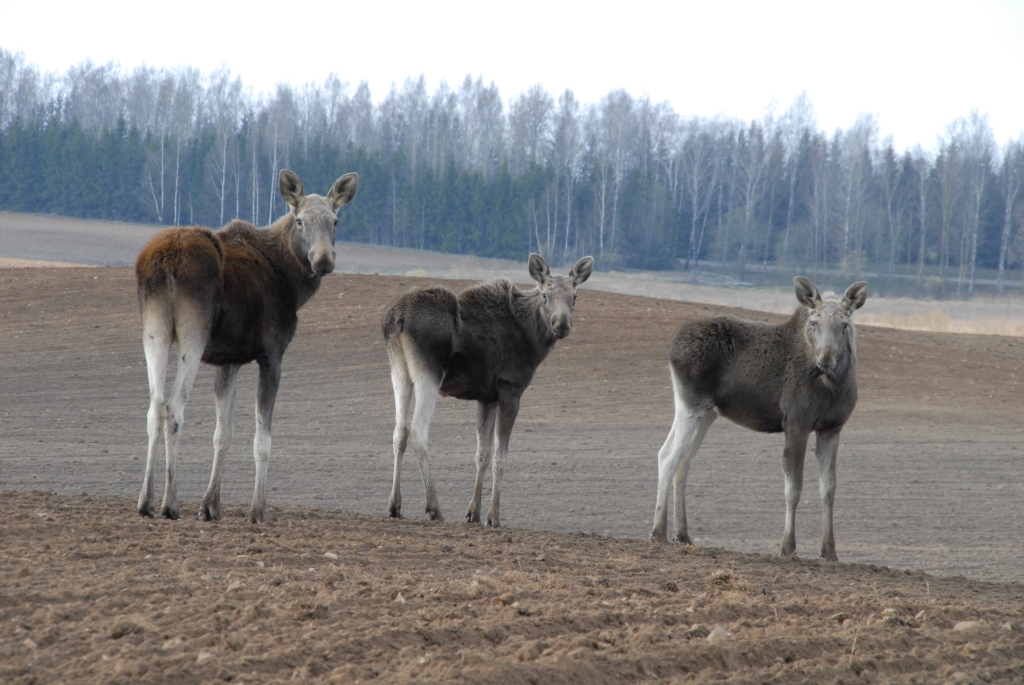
(929, 516)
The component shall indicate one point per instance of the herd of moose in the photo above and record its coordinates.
(230, 297)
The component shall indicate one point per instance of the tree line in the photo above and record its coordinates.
(460, 170)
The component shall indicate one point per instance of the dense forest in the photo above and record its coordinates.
(460, 170)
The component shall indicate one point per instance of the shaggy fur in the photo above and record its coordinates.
(796, 377)
(483, 345)
(227, 298)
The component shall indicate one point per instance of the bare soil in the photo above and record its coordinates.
(329, 590)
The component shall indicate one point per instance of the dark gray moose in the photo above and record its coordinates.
(485, 345)
(796, 377)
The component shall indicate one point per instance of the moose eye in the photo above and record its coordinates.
(813, 323)
(335, 222)
(298, 222)
(574, 299)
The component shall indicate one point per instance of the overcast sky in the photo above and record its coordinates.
(917, 65)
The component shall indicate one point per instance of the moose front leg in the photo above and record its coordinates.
(486, 414)
(508, 409)
(266, 395)
(825, 448)
(793, 467)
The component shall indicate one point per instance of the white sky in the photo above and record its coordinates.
(916, 64)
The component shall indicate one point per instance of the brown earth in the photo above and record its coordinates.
(929, 479)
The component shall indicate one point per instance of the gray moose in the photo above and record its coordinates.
(796, 377)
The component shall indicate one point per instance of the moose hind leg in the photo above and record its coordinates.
(674, 458)
(190, 351)
(224, 391)
(826, 447)
(485, 417)
(679, 479)
(425, 387)
(793, 468)
(156, 343)
(403, 395)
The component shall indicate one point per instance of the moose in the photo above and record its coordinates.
(484, 344)
(795, 377)
(227, 298)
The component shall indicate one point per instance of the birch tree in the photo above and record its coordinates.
(1011, 180)
(224, 96)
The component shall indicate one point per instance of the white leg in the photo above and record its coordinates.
(688, 429)
(486, 414)
(156, 343)
(190, 352)
(508, 409)
(425, 389)
(793, 467)
(825, 449)
(679, 478)
(224, 391)
(266, 395)
(403, 395)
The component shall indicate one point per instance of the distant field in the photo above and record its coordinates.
(28, 240)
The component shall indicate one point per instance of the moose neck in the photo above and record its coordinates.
(292, 261)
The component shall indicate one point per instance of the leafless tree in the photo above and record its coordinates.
(188, 101)
(979, 150)
(279, 134)
(567, 156)
(1012, 177)
(224, 100)
(751, 159)
(797, 124)
(891, 171)
(699, 170)
(530, 124)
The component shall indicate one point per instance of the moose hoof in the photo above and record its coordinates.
(395, 512)
(492, 523)
(146, 510)
(171, 513)
(435, 515)
(257, 515)
(657, 537)
(829, 555)
(683, 539)
(472, 516)
(209, 509)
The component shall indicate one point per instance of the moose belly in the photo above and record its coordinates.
(464, 388)
(219, 354)
(470, 377)
(751, 412)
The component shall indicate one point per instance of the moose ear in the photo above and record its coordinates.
(291, 189)
(855, 296)
(807, 293)
(582, 271)
(343, 190)
(539, 270)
